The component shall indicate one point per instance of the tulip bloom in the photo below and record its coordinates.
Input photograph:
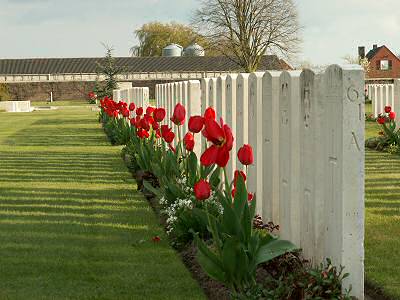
(202, 190)
(189, 141)
(141, 133)
(222, 139)
(169, 137)
(210, 113)
(139, 111)
(245, 155)
(381, 120)
(196, 124)
(125, 113)
(392, 115)
(159, 114)
(150, 110)
(132, 106)
(144, 124)
(388, 109)
(133, 122)
(178, 118)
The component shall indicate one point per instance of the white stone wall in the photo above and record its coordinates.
(15, 106)
(307, 133)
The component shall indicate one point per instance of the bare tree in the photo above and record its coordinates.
(244, 30)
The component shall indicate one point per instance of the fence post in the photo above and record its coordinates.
(212, 93)
(230, 111)
(311, 195)
(289, 164)
(221, 97)
(343, 144)
(145, 93)
(270, 127)
(255, 178)
(396, 100)
(375, 102)
(195, 109)
(130, 95)
(242, 111)
(204, 86)
(116, 95)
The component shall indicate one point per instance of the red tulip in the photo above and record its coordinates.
(165, 129)
(392, 115)
(125, 113)
(245, 155)
(115, 113)
(388, 109)
(141, 133)
(222, 139)
(159, 114)
(381, 120)
(178, 118)
(144, 123)
(132, 106)
(209, 113)
(189, 141)
(169, 137)
(150, 110)
(139, 111)
(202, 190)
(196, 124)
(133, 122)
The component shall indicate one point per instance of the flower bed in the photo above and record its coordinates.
(202, 207)
(389, 137)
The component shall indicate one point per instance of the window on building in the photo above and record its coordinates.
(385, 64)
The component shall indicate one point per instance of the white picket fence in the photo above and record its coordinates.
(307, 133)
(384, 94)
(138, 95)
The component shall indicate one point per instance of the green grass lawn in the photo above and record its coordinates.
(72, 224)
(382, 223)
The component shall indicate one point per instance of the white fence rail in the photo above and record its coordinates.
(307, 132)
(384, 94)
(138, 95)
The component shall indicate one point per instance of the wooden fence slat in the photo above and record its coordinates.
(221, 97)
(230, 118)
(255, 178)
(270, 127)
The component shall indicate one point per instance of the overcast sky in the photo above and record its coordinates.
(76, 28)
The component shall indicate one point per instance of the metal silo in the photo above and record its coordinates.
(194, 50)
(172, 50)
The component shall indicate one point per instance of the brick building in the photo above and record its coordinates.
(384, 64)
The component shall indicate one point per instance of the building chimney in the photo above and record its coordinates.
(375, 46)
(361, 52)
